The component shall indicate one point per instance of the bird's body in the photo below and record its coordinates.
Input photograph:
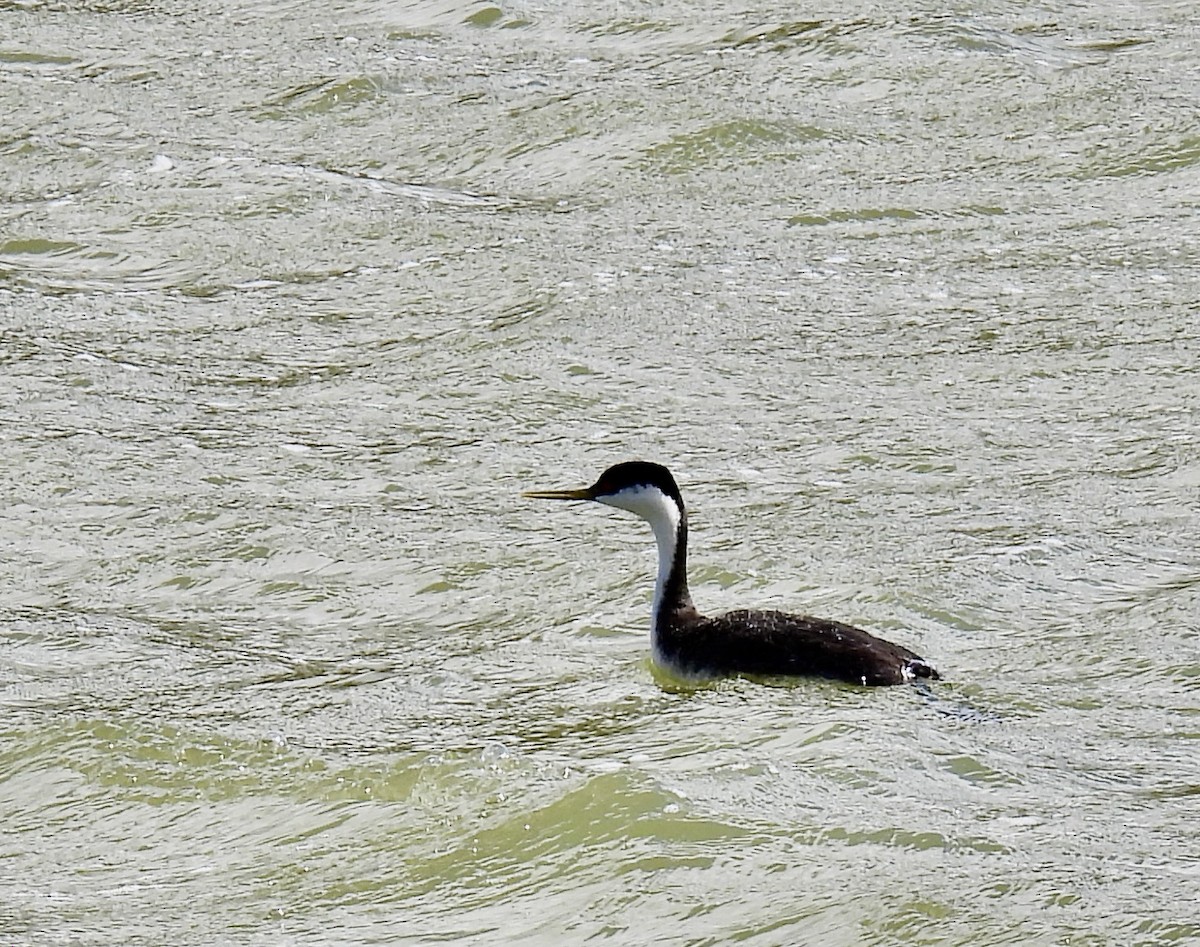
(770, 643)
(764, 643)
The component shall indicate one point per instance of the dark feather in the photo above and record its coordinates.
(775, 643)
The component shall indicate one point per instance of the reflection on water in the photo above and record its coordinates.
(295, 302)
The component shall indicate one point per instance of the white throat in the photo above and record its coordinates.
(663, 515)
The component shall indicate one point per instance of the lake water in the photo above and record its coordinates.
(296, 299)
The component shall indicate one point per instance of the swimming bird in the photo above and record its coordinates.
(763, 643)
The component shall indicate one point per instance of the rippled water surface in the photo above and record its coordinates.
(296, 299)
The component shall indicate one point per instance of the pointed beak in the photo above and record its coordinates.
(584, 494)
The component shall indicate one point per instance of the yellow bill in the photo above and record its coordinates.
(584, 494)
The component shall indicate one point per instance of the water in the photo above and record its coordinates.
(294, 302)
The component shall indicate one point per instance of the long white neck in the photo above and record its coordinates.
(669, 522)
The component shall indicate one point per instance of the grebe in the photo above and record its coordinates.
(687, 644)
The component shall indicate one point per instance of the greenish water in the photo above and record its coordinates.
(295, 301)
